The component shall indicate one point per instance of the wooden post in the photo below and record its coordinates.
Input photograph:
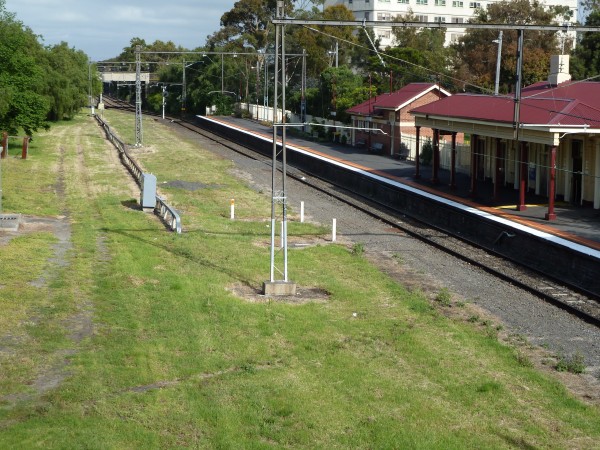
(25, 147)
(473, 165)
(436, 157)
(4, 144)
(551, 215)
(496, 195)
(523, 181)
(417, 156)
(453, 163)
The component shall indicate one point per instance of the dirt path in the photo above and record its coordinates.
(73, 163)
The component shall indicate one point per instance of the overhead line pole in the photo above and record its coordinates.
(138, 97)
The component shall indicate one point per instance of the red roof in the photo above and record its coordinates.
(395, 100)
(571, 103)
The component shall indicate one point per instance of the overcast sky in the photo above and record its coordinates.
(102, 28)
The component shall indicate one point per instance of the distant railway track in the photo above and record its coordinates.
(585, 305)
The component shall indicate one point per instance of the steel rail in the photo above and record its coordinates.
(582, 304)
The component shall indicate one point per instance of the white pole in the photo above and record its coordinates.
(301, 212)
(334, 231)
(232, 209)
(163, 101)
(498, 61)
(272, 250)
(282, 235)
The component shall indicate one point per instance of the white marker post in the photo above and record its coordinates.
(232, 209)
(334, 231)
(301, 212)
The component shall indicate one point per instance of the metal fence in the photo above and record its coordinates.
(162, 209)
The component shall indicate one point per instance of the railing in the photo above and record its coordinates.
(162, 209)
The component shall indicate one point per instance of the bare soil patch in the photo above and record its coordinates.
(303, 295)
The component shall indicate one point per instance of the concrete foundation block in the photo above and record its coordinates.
(279, 288)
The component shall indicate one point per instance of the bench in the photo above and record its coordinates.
(376, 148)
(359, 144)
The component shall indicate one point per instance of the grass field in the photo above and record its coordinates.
(133, 337)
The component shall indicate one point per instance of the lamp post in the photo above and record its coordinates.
(91, 103)
(498, 59)
(164, 98)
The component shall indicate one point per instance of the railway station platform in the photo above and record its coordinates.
(575, 223)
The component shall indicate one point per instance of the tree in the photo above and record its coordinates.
(419, 54)
(476, 51)
(320, 42)
(68, 79)
(22, 79)
(248, 20)
(586, 57)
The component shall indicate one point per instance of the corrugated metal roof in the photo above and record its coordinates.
(568, 104)
(394, 101)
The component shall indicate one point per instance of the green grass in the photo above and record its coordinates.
(176, 360)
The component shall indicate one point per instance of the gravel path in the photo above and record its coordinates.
(520, 313)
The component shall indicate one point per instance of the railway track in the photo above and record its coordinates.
(584, 305)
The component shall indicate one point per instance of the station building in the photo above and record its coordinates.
(384, 122)
(551, 147)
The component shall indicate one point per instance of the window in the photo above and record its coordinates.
(404, 2)
(458, 3)
(439, 19)
(421, 18)
(440, 2)
(384, 16)
(350, 2)
(385, 34)
(384, 1)
(422, 2)
(458, 20)
(474, 5)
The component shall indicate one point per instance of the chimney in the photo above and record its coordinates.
(559, 69)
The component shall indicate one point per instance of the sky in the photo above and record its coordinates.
(102, 28)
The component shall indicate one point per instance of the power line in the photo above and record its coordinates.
(395, 58)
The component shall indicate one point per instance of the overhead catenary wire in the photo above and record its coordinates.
(395, 58)
(507, 97)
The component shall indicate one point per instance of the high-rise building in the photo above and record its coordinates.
(449, 12)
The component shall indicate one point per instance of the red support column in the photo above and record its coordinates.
(550, 215)
(496, 196)
(4, 144)
(473, 165)
(25, 147)
(453, 163)
(523, 181)
(418, 156)
(436, 157)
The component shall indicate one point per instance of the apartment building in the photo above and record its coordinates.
(450, 12)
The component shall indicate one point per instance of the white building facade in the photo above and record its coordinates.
(451, 12)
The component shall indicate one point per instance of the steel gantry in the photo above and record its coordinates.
(279, 193)
(279, 283)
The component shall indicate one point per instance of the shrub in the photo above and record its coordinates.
(427, 153)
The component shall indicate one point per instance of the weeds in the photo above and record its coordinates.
(358, 249)
(523, 359)
(573, 364)
(444, 297)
